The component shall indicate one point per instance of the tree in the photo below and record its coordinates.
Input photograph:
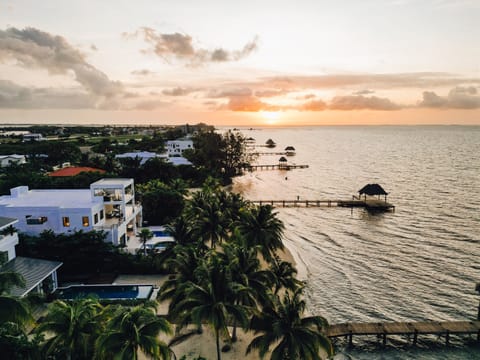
(260, 226)
(222, 156)
(132, 330)
(284, 275)
(71, 328)
(12, 309)
(280, 324)
(15, 344)
(145, 235)
(211, 301)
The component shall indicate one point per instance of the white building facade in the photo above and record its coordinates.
(7, 160)
(177, 147)
(109, 205)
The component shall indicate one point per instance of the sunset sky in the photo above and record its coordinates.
(252, 63)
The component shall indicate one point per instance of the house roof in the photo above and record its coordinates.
(5, 221)
(34, 271)
(73, 171)
(64, 198)
(372, 189)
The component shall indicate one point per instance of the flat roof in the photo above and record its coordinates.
(64, 198)
(34, 271)
(5, 221)
(112, 182)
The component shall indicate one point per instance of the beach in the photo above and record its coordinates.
(200, 344)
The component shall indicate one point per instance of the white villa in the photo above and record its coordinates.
(177, 147)
(143, 156)
(40, 275)
(109, 205)
(33, 137)
(7, 160)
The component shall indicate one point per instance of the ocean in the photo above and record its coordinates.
(420, 262)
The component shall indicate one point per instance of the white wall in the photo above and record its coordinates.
(7, 243)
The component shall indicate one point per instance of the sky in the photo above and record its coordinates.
(240, 63)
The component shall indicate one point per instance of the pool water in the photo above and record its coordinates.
(110, 292)
(160, 233)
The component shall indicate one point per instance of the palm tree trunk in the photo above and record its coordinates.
(217, 339)
(234, 332)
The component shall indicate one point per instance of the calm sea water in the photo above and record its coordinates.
(419, 263)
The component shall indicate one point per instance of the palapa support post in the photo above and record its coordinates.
(447, 338)
(384, 339)
(415, 337)
(350, 338)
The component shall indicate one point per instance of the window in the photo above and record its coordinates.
(36, 220)
(66, 221)
(101, 215)
(95, 218)
(85, 221)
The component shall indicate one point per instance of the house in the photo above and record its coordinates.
(73, 171)
(177, 147)
(109, 205)
(33, 137)
(7, 160)
(40, 275)
(143, 156)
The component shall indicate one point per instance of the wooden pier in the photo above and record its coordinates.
(369, 204)
(411, 329)
(271, 153)
(274, 167)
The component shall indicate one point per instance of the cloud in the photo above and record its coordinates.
(181, 47)
(368, 81)
(142, 72)
(359, 102)
(364, 92)
(458, 98)
(247, 103)
(32, 48)
(149, 105)
(229, 92)
(270, 92)
(179, 91)
(20, 97)
(314, 105)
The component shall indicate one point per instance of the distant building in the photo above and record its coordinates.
(109, 205)
(73, 171)
(40, 275)
(33, 137)
(143, 156)
(177, 147)
(7, 160)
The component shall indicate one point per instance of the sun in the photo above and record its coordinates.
(270, 117)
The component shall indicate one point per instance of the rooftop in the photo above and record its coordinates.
(73, 171)
(34, 271)
(112, 182)
(72, 198)
(5, 221)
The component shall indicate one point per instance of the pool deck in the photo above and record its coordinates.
(156, 280)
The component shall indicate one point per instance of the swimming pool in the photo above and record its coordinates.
(107, 292)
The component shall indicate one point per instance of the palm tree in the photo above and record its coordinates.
(211, 301)
(245, 269)
(131, 330)
(12, 309)
(145, 235)
(211, 222)
(295, 337)
(71, 328)
(260, 226)
(284, 275)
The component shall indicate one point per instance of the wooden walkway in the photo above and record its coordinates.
(274, 167)
(271, 153)
(445, 328)
(368, 204)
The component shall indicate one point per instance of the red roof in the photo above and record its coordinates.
(73, 171)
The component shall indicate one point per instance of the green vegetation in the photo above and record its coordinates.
(86, 255)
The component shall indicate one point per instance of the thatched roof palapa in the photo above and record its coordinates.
(283, 159)
(372, 189)
(289, 148)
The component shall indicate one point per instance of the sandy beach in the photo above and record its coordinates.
(201, 344)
